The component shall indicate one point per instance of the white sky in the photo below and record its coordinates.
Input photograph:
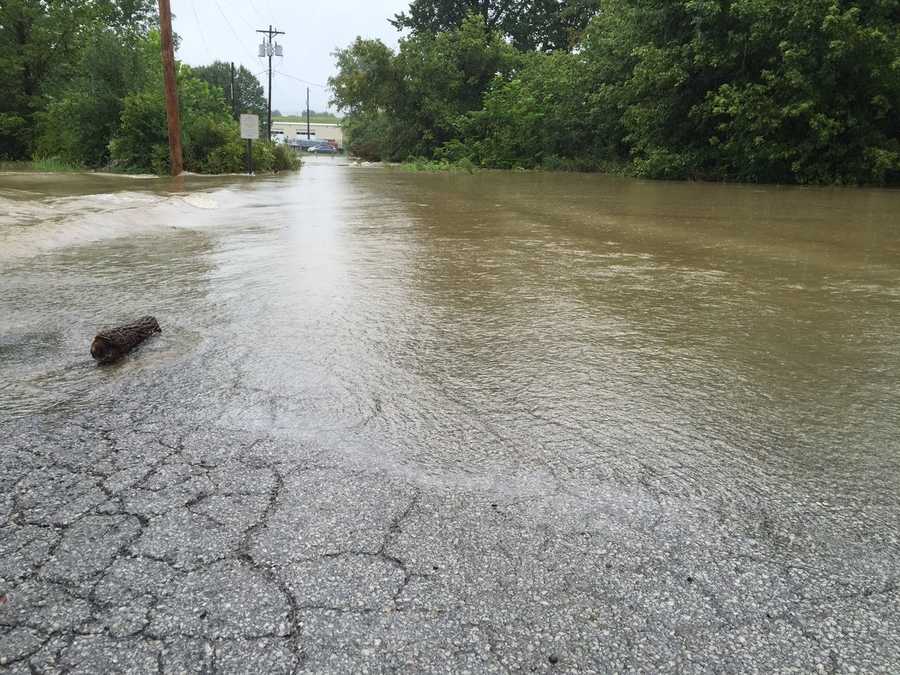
(225, 30)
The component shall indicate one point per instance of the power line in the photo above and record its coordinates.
(233, 31)
(258, 13)
(238, 15)
(200, 30)
(300, 79)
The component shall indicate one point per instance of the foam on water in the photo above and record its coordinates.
(35, 226)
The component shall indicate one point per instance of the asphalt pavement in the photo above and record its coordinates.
(142, 533)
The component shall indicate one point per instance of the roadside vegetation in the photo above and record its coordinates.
(785, 91)
(41, 166)
(433, 165)
(95, 98)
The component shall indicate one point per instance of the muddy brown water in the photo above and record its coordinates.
(734, 340)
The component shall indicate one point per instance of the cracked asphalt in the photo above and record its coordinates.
(315, 469)
(126, 552)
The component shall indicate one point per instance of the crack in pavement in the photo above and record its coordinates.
(326, 556)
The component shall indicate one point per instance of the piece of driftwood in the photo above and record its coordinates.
(114, 343)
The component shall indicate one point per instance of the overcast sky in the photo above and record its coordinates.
(225, 30)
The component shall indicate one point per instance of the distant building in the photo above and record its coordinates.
(318, 131)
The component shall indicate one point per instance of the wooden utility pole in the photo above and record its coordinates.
(168, 58)
(235, 108)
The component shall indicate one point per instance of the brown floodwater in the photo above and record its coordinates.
(739, 340)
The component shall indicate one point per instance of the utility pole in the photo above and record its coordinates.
(267, 49)
(307, 114)
(168, 59)
(234, 99)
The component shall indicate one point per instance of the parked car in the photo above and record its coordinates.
(304, 143)
(322, 149)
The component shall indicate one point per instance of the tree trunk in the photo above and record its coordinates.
(114, 343)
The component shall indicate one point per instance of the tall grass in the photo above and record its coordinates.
(53, 165)
(46, 165)
(415, 164)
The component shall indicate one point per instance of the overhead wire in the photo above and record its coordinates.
(258, 13)
(238, 15)
(244, 45)
(209, 54)
(300, 79)
(233, 31)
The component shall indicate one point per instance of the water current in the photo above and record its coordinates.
(496, 328)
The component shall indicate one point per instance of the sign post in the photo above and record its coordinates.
(250, 131)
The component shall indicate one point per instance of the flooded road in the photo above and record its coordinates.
(514, 420)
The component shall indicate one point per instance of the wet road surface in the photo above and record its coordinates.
(444, 423)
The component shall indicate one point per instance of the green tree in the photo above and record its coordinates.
(81, 118)
(752, 89)
(42, 46)
(413, 102)
(540, 116)
(529, 24)
(141, 143)
(248, 90)
(820, 105)
(367, 81)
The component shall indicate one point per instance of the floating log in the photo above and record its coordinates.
(114, 343)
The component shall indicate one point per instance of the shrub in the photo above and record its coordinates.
(203, 135)
(263, 157)
(228, 158)
(286, 159)
(142, 131)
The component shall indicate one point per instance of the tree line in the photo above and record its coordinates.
(82, 83)
(787, 91)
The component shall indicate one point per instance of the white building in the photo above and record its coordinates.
(318, 131)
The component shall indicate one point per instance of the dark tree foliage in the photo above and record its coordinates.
(82, 115)
(413, 102)
(81, 82)
(42, 46)
(804, 91)
(753, 90)
(545, 25)
(247, 88)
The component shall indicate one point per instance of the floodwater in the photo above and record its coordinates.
(730, 343)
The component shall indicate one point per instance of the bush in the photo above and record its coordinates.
(69, 129)
(453, 151)
(557, 163)
(286, 159)
(415, 164)
(210, 142)
(228, 158)
(80, 120)
(263, 157)
(232, 158)
(203, 135)
(142, 131)
(369, 137)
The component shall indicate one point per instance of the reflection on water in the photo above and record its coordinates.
(491, 328)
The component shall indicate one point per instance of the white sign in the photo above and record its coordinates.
(250, 126)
